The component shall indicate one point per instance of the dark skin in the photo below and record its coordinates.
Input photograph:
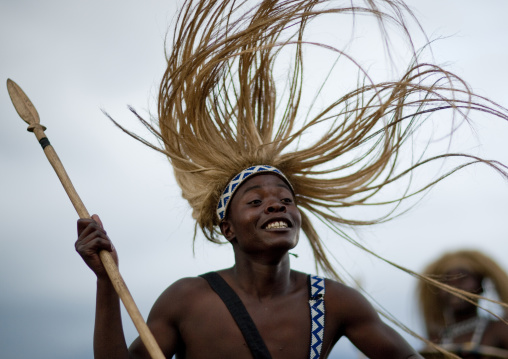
(189, 320)
(496, 333)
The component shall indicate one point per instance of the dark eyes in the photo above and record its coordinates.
(258, 201)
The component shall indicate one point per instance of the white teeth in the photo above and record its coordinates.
(277, 224)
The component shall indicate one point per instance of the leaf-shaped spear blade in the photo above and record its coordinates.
(28, 113)
(22, 104)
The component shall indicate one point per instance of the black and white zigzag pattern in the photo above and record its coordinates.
(317, 313)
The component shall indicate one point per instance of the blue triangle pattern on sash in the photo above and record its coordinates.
(317, 313)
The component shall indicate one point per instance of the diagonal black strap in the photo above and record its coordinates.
(240, 315)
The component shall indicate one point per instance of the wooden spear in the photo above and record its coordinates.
(28, 113)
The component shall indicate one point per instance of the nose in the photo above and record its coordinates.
(274, 207)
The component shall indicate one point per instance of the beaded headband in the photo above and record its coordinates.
(227, 194)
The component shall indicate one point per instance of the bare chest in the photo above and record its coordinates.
(209, 330)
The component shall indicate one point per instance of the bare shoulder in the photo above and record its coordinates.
(179, 296)
(188, 285)
(357, 319)
(169, 311)
(346, 303)
(340, 292)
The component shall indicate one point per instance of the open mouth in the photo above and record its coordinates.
(278, 224)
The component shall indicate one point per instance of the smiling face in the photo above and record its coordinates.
(262, 216)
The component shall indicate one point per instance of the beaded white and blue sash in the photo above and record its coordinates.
(317, 314)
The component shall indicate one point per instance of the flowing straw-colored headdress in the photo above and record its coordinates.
(235, 95)
(471, 260)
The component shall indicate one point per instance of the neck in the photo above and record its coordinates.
(262, 277)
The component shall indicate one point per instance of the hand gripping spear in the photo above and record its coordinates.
(28, 113)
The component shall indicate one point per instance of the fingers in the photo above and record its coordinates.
(92, 238)
(89, 224)
(91, 233)
(98, 220)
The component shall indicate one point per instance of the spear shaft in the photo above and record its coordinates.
(29, 114)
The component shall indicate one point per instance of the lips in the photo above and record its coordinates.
(277, 223)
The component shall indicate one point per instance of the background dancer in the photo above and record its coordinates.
(457, 323)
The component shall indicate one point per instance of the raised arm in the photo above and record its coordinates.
(109, 339)
(362, 325)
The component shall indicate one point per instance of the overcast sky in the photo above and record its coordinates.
(74, 58)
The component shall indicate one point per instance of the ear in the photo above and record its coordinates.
(227, 230)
